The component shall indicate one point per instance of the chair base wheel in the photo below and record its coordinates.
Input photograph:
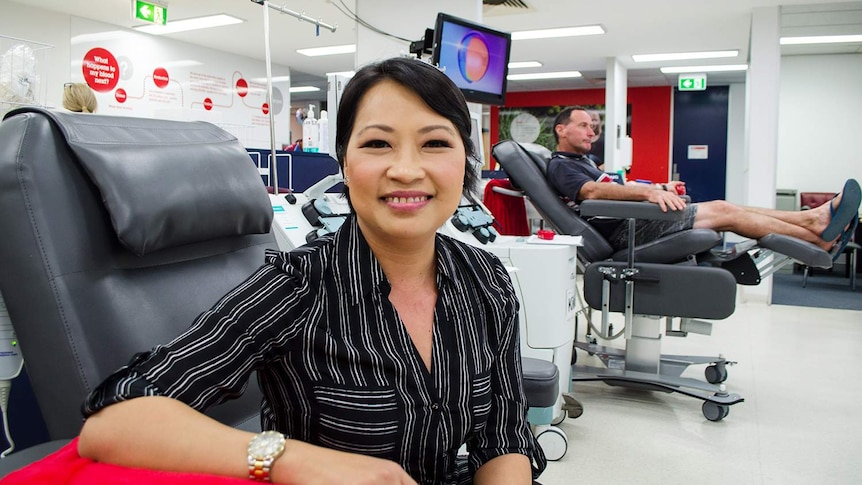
(554, 443)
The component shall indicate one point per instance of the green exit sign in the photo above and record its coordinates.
(149, 12)
(692, 82)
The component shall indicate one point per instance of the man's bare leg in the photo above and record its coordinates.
(755, 223)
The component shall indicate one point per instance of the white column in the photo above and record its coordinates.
(761, 144)
(615, 116)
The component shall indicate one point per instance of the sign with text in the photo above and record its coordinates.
(698, 152)
(692, 82)
(149, 76)
(149, 12)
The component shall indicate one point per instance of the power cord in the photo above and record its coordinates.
(5, 386)
(11, 363)
(343, 8)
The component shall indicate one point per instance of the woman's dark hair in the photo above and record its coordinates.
(431, 85)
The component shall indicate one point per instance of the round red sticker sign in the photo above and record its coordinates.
(100, 69)
(160, 77)
(265, 108)
(120, 95)
(208, 104)
(241, 87)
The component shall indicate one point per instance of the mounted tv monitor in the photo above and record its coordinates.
(475, 57)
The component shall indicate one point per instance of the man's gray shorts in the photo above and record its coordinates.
(648, 231)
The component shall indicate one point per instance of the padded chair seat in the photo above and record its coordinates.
(667, 289)
(673, 248)
(541, 382)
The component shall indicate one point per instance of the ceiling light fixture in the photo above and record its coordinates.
(303, 89)
(328, 51)
(543, 75)
(562, 32)
(718, 68)
(820, 39)
(683, 56)
(341, 73)
(275, 79)
(523, 64)
(184, 25)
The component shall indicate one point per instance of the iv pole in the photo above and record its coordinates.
(305, 18)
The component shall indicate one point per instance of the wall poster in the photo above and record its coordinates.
(147, 76)
(535, 124)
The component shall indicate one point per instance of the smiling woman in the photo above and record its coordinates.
(359, 337)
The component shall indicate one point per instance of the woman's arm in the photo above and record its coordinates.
(164, 434)
(504, 470)
(161, 433)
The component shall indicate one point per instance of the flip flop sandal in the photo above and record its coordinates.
(846, 236)
(843, 214)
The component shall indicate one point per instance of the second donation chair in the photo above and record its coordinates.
(680, 278)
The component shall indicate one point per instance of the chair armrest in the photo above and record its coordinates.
(627, 210)
(508, 192)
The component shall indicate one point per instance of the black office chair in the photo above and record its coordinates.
(681, 277)
(117, 233)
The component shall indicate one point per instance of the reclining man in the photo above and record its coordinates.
(574, 176)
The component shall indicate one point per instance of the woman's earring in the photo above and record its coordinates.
(346, 180)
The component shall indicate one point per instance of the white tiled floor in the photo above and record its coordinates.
(799, 372)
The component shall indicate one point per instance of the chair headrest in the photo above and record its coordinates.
(165, 183)
(539, 154)
(527, 167)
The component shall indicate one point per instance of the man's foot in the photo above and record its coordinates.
(844, 211)
(846, 236)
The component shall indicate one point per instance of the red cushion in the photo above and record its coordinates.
(811, 200)
(66, 467)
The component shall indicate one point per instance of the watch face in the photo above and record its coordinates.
(269, 443)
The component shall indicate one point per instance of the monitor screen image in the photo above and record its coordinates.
(475, 57)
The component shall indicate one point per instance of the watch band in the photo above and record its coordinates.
(258, 470)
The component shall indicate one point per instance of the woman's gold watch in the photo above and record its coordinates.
(263, 450)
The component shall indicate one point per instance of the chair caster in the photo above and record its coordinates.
(572, 406)
(560, 418)
(714, 412)
(554, 443)
(715, 373)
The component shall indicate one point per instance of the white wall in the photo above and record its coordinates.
(820, 122)
(201, 83)
(34, 24)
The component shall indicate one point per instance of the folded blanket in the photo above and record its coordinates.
(65, 467)
(509, 212)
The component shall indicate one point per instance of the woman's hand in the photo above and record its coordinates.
(307, 464)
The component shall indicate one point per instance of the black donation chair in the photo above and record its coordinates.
(681, 278)
(117, 233)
